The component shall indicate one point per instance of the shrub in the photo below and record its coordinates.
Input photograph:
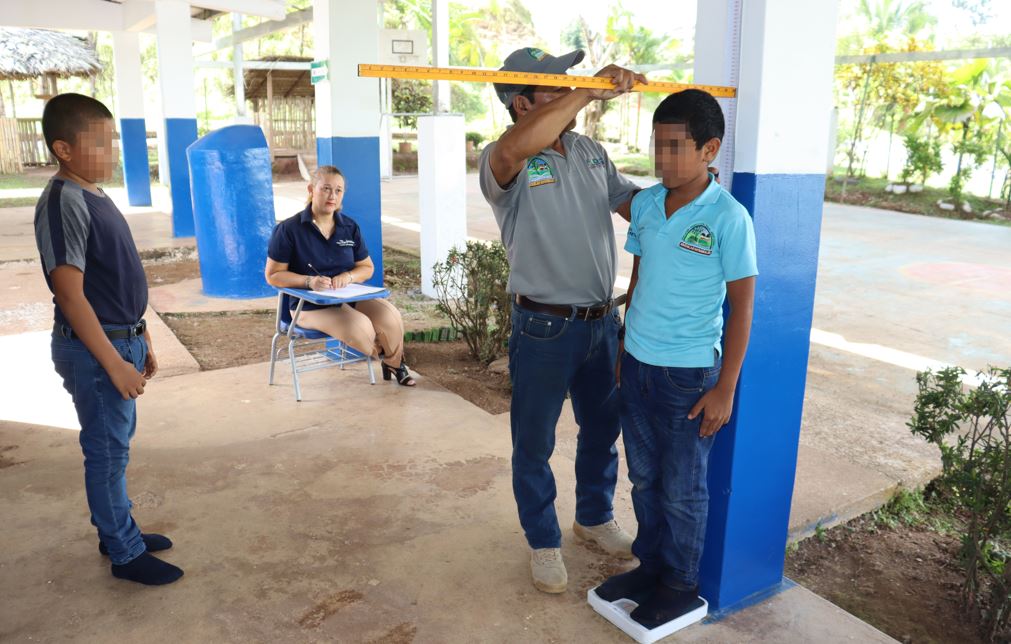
(471, 288)
(476, 137)
(972, 429)
(923, 158)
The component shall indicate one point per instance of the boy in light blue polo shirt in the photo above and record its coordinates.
(694, 247)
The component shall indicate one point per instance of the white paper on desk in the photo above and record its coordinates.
(349, 291)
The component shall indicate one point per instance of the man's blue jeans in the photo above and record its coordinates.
(667, 463)
(550, 356)
(107, 425)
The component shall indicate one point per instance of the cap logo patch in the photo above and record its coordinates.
(536, 53)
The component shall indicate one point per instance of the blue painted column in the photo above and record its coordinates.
(782, 119)
(130, 110)
(347, 112)
(175, 72)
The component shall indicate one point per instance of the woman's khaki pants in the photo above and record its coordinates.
(371, 327)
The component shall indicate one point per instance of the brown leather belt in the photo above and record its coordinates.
(576, 312)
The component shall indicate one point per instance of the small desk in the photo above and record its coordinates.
(334, 351)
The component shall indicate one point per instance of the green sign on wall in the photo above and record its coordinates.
(319, 71)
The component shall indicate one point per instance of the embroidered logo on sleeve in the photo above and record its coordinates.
(698, 239)
(539, 172)
(595, 162)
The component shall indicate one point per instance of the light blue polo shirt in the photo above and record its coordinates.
(676, 317)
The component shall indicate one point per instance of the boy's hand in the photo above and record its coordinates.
(715, 407)
(150, 365)
(127, 380)
(342, 280)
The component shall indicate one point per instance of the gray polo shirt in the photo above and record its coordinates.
(556, 225)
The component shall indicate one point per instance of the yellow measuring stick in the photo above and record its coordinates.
(472, 75)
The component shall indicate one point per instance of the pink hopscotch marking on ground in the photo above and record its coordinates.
(982, 278)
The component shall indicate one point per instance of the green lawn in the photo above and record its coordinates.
(18, 201)
(637, 164)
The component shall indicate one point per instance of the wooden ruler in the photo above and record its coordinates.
(473, 75)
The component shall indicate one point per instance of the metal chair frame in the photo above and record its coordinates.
(307, 349)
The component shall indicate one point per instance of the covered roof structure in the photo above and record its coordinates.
(31, 53)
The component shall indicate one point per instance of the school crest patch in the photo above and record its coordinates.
(539, 172)
(536, 54)
(698, 239)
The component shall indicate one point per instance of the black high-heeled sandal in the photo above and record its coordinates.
(401, 373)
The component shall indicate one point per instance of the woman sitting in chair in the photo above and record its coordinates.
(321, 248)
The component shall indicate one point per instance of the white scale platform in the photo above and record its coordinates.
(619, 611)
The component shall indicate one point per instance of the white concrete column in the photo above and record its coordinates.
(130, 112)
(175, 73)
(347, 111)
(442, 190)
(238, 79)
(440, 54)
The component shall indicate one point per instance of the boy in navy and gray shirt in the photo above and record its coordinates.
(101, 347)
(694, 247)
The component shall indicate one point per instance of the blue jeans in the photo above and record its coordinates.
(107, 425)
(667, 462)
(550, 356)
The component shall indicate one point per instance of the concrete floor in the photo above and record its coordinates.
(304, 522)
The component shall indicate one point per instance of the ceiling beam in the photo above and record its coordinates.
(271, 9)
(290, 21)
(253, 64)
(915, 56)
(89, 15)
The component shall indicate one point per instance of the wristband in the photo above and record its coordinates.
(308, 283)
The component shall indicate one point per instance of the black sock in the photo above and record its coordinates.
(147, 569)
(154, 543)
(636, 584)
(664, 605)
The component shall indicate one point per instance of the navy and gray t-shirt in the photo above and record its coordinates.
(76, 227)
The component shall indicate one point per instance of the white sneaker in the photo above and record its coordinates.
(609, 536)
(548, 570)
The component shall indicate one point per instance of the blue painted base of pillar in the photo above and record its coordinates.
(179, 134)
(136, 169)
(358, 159)
(754, 459)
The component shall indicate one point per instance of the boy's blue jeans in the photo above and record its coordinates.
(107, 425)
(550, 356)
(667, 462)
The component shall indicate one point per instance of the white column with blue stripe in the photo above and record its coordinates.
(347, 112)
(130, 111)
(783, 110)
(175, 72)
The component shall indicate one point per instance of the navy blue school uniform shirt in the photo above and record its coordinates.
(297, 242)
(75, 227)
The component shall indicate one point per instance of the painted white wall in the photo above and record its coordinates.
(175, 59)
(129, 81)
(346, 34)
(442, 191)
(784, 103)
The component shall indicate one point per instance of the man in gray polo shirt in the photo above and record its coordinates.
(552, 191)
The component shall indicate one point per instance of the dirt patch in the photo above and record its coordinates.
(449, 364)
(169, 272)
(219, 341)
(401, 634)
(319, 613)
(903, 580)
(5, 460)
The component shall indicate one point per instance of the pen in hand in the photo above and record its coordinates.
(328, 279)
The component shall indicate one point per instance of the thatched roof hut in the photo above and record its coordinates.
(32, 53)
